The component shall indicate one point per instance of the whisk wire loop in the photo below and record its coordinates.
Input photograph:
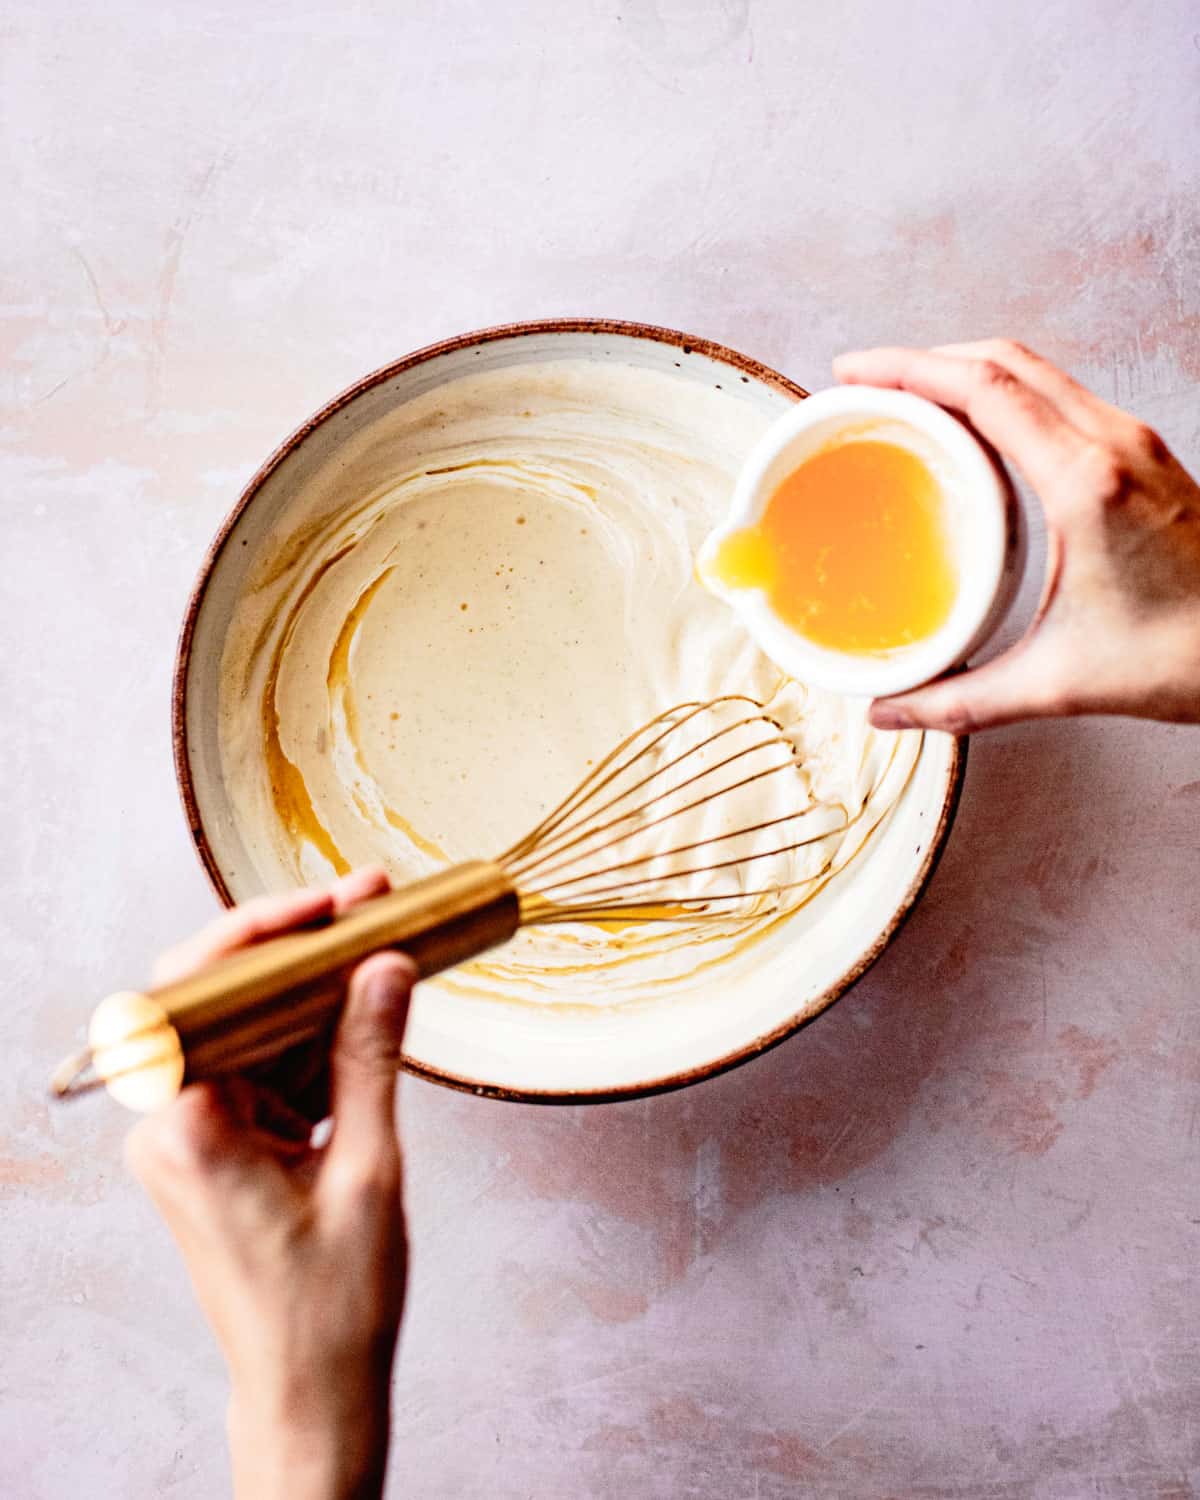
(694, 770)
(647, 823)
(596, 780)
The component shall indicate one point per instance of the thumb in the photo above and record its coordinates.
(364, 1062)
(1020, 684)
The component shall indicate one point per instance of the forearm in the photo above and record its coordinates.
(296, 1251)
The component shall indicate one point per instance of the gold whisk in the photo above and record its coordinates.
(679, 823)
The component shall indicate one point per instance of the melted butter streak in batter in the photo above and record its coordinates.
(495, 588)
(289, 791)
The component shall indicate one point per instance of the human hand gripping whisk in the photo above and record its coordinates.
(703, 814)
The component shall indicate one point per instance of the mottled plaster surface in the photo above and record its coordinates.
(943, 1244)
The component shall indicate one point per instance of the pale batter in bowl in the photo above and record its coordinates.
(479, 598)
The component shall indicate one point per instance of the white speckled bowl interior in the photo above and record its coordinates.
(565, 1053)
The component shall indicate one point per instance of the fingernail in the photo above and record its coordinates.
(890, 716)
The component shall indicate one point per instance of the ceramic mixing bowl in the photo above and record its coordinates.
(532, 1051)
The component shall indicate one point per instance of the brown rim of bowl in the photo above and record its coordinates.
(748, 369)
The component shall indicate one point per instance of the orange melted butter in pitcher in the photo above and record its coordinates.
(851, 550)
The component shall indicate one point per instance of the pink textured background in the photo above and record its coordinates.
(945, 1243)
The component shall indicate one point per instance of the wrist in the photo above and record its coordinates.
(308, 1445)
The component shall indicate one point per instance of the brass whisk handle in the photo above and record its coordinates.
(230, 1015)
(264, 999)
